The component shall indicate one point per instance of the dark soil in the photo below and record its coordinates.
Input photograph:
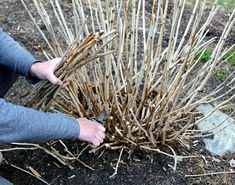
(140, 168)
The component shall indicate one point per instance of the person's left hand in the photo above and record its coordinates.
(45, 71)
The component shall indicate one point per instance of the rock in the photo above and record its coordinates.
(232, 163)
(224, 130)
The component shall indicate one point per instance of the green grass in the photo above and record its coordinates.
(220, 74)
(204, 56)
(230, 56)
(226, 4)
(230, 107)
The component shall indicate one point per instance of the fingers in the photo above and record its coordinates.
(97, 141)
(102, 135)
(93, 145)
(98, 138)
(101, 127)
(91, 132)
(51, 77)
(68, 80)
(54, 80)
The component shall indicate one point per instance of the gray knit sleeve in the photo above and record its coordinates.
(24, 124)
(13, 56)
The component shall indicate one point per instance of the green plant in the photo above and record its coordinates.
(230, 107)
(230, 57)
(204, 56)
(227, 5)
(220, 74)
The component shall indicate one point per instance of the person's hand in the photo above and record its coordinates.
(45, 71)
(91, 132)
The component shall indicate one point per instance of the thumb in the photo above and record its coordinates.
(54, 80)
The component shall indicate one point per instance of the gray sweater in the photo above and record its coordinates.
(19, 123)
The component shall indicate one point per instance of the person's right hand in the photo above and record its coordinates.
(91, 132)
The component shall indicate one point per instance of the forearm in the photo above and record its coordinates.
(14, 56)
(24, 124)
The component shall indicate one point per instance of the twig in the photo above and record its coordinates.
(76, 158)
(169, 155)
(175, 157)
(39, 178)
(17, 148)
(117, 165)
(209, 174)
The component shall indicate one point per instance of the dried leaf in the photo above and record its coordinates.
(34, 172)
(216, 159)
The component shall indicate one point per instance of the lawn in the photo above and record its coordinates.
(226, 4)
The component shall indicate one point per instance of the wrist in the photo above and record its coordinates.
(79, 128)
(34, 68)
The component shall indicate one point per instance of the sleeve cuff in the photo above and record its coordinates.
(31, 79)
